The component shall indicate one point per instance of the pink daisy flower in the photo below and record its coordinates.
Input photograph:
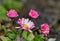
(12, 13)
(33, 13)
(45, 28)
(26, 24)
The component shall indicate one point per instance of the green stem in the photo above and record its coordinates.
(4, 28)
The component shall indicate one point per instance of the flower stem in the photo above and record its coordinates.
(4, 28)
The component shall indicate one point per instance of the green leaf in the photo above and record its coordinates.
(38, 38)
(41, 36)
(14, 30)
(3, 12)
(30, 37)
(12, 36)
(5, 38)
(24, 34)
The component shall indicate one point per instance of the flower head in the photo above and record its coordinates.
(33, 13)
(45, 28)
(26, 24)
(12, 13)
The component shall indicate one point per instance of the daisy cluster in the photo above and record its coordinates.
(27, 24)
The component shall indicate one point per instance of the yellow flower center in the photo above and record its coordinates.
(25, 26)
